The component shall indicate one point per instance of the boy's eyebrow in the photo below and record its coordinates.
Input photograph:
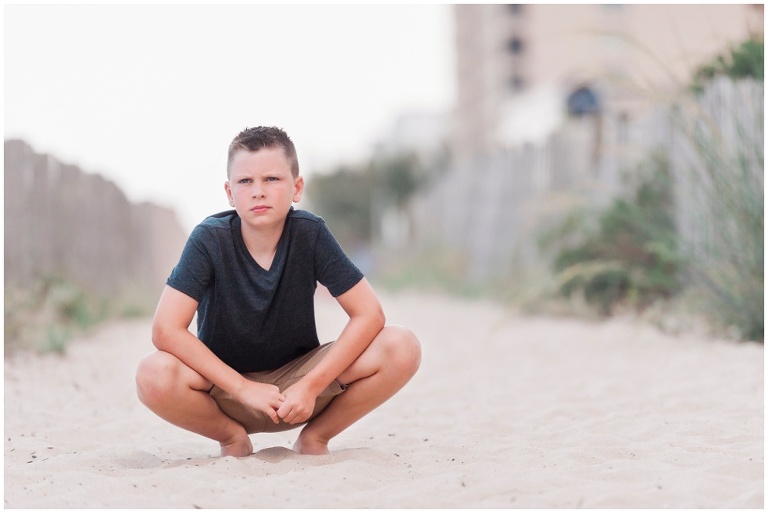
(233, 175)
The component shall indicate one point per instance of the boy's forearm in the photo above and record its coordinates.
(195, 354)
(366, 320)
(353, 340)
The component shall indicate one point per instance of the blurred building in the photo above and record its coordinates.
(521, 67)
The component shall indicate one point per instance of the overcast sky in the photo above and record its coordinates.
(151, 96)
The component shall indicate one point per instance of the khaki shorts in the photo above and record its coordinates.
(255, 421)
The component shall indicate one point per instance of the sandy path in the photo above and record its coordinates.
(505, 412)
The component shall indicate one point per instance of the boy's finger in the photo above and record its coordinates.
(295, 417)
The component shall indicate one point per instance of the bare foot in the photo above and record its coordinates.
(304, 445)
(238, 448)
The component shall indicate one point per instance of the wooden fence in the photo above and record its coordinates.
(63, 223)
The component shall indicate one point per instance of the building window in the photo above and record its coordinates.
(515, 46)
(515, 9)
(583, 101)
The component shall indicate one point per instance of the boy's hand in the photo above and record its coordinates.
(298, 405)
(262, 397)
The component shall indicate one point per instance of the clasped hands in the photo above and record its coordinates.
(294, 406)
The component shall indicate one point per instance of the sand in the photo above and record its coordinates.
(505, 412)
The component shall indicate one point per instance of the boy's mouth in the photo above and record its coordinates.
(260, 209)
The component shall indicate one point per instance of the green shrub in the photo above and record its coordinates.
(49, 312)
(746, 60)
(352, 198)
(726, 178)
(626, 253)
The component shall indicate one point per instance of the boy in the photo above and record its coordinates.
(256, 364)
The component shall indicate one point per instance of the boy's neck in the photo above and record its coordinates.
(262, 243)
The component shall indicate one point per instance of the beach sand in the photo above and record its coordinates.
(505, 412)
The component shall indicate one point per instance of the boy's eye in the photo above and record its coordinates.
(244, 180)
(272, 179)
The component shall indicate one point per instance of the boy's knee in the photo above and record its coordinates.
(155, 377)
(403, 347)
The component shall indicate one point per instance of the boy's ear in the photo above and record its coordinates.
(228, 190)
(298, 189)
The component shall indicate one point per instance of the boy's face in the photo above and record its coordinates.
(262, 188)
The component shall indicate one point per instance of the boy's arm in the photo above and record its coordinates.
(170, 333)
(366, 320)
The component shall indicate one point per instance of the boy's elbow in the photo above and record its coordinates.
(374, 320)
(160, 336)
(379, 319)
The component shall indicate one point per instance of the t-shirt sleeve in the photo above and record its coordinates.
(333, 267)
(194, 272)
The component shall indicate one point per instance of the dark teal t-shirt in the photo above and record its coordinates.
(257, 319)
